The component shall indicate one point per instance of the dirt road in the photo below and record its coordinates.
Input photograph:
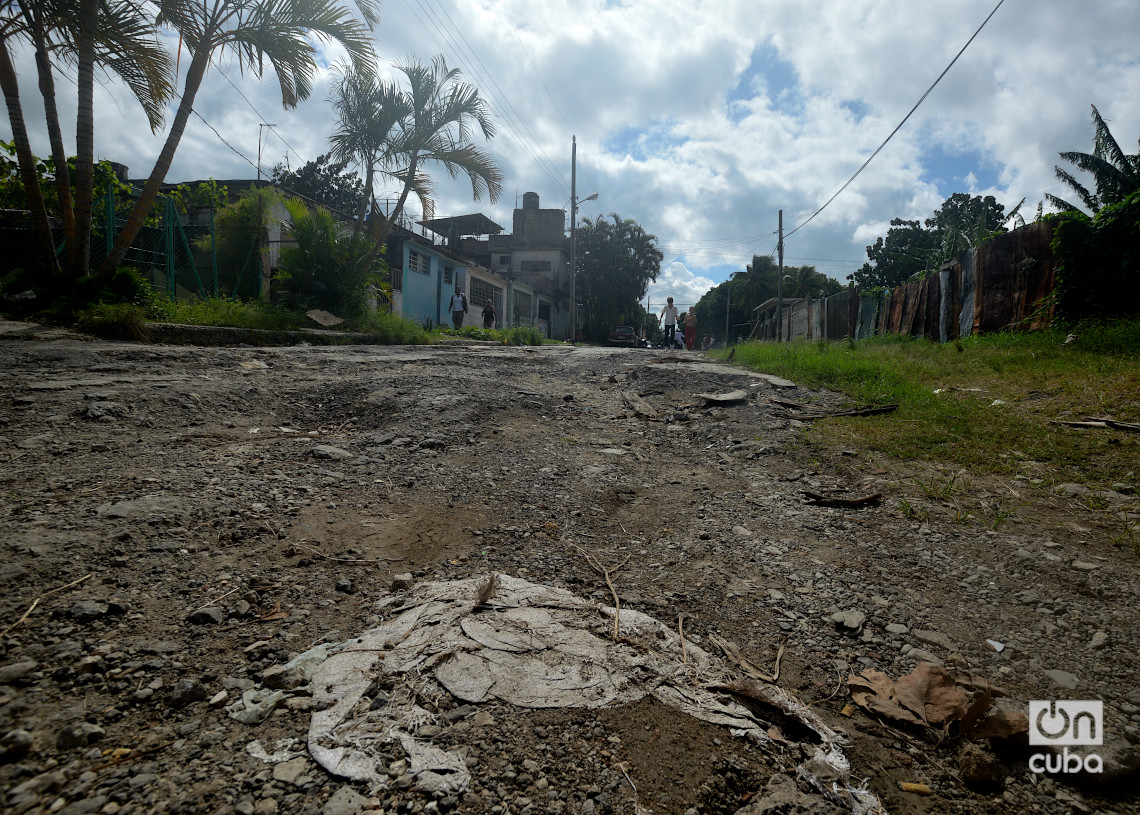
(179, 523)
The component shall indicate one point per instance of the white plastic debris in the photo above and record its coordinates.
(531, 646)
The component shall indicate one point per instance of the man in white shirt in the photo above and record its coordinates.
(458, 308)
(669, 322)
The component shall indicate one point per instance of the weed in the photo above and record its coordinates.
(115, 321)
(939, 489)
(913, 511)
(1002, 512)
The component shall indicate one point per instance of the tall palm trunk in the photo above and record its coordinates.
(85, 138)
(386, 227)
(58, 151)
(44, 243)
(362, 210)
(135, 220)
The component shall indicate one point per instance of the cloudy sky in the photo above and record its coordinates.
(702, 119)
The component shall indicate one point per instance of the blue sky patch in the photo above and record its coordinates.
(947, 169)
(777, 75)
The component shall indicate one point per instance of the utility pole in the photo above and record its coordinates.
(780, 283)
(573, 238)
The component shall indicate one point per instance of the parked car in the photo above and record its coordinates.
(624, 335)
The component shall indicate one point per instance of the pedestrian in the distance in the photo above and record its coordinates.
(691, 328)
(489, 315)
(669, 322)
(458, 308)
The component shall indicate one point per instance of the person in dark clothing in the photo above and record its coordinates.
(489, 315)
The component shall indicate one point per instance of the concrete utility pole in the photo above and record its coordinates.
(780, 283)
(574, 237)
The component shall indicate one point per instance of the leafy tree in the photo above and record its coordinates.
(911, 249)
(442, 111)
(1115, 173)
(1098, 271)
(616, 261)
(327, 267)
(324, 182)
(256, 32)
(238, 229)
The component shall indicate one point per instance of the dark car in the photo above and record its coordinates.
(625, 335)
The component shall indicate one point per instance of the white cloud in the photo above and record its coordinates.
(701, 120)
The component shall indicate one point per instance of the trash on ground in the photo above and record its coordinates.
(534, 646)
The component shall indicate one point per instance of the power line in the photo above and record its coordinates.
(528, 143)
(222, 139)
(900, 124)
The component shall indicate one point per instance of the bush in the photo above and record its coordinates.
(115, 321)
(1098, 271)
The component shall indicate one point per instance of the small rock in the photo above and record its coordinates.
(934, 638)
(206, 616)
(186, 692)
(997, 646)
(345, 586)
(86, 611)
(741, 532)
(1063, 679)
(1085, 566)
(921, 655)
(1099, 640)
(289, 771)
(282, 677)
(16, 671)
(980, 769)
(402, 582)
(849, 621)
(15, 744)
(326, 451)
(896, 628)
(345, 801)
(82, 734)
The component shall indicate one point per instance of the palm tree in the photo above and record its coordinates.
(111, 34)
(437, 129)
(1115, 173)
(256, 32)
(369, 112)
(45, 244)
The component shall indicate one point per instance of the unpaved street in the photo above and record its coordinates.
(177, 523)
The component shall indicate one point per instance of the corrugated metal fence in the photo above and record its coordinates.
(1004, 284)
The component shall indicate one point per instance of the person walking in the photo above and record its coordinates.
(669, 322)
(489, 315)
(458, 308)
(691, 328)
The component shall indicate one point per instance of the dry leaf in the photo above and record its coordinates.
(931, 692)
(917, 789)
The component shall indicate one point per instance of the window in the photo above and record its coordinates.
(535, 266)
(544, 311)
(418, 262)
(523, 305)
(397, 279)
(448, 274)
(481, 292)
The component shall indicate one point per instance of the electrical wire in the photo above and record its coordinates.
(900, 124)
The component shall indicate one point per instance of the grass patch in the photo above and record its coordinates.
(518, 335)
(983, 404)
(222, 311)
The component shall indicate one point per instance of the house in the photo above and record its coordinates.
(534, 260)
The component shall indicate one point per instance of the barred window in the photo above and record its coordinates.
(482, 291)
(397, 279)
(535, 266)
(523, 305)
(448, 274)
(418, 262)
